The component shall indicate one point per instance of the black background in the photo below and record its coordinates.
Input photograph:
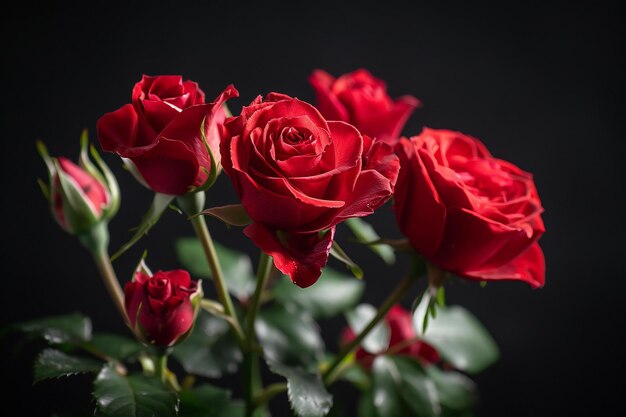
(541, 85)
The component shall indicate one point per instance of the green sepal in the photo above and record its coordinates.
(213, 172)
(232, 214)
(80, 214)
(111, 183)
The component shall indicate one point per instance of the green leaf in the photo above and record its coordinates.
(52, 363)
(132, 396)
(149, 219)
(332, 294)
(203, 401)
(417, 390)
(456, 391)
(237, 267)
(115, 346)
(378, 339)
(232, 214)
(402, 387)
(460, 338)
(307, 395)
(340, 255)
(357, 376)
(210, 350)
(289, 337)
(232, 409)
(365, 406)
(72, 328)
(365, 233)
(386, 383)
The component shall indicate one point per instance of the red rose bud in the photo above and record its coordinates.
(162, 307)
(298, 176)
(362, 100)
(81, 196)
(402, 340)
(467, 212)
(167, 136)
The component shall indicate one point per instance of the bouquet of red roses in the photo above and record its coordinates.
(300, 172)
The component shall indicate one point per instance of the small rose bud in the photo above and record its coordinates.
(81, 196)
(162, 307)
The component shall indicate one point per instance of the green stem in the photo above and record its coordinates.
(252, 378)
(96, 240)
(270, 392)
(263, 273)
(398, 293)
(191, 205)
(161, 367)
(250, 375)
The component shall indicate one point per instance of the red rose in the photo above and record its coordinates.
(298, 175)
(362, 100)
(402, 340)
(467, 212)
(160, 132)
(159, 307)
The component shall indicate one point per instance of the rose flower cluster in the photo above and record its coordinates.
(300, 171)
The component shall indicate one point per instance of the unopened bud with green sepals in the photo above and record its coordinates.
(81, 196)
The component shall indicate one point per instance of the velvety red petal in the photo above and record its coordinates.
(169, 167)
(529, 267)
(133, 297)
(179, 278)
(327, 102)
(159, 113)
(301, 256)
(196, 94)
(417, 204)
(124, 132)
(268, 207)
(290, 108)
(471, 240)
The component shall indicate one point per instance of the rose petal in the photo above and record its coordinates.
(125, 133)
(416, 199)
(169, 167)
(159, 113)
(327, 103)
(301, 256)
(529, 267)
(471, 240)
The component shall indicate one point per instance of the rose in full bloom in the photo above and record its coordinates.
(160, 133)
(162, 307)
(81, 196)
(362, 100)
(402, 340)
(298, 176)
(467, 212)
